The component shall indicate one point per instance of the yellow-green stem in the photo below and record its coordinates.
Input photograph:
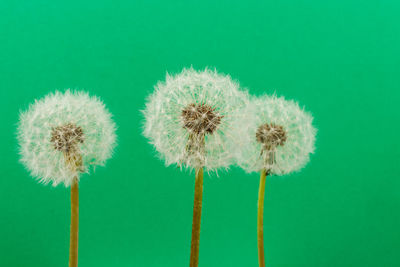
(198, 197)
(73, 242)
(260, 214)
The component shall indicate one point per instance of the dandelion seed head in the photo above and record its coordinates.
(276, 135)
(189, 118)
(63, 134)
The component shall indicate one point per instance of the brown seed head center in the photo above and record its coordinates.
(200, 119)
(66, 137)
(271, 136)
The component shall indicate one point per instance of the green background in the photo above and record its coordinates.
(340, 59)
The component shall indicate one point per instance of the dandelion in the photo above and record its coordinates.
(188, 119)
(60, 137)
(276, 138)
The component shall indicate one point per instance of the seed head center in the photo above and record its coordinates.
(66, 137)
(200, 119)
(271, 136)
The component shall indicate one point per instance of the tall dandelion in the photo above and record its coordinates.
(60, 137)
(275, 138)
(188, 119)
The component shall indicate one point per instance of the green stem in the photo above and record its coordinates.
(198, 197)
(73, 243)
(260, 214)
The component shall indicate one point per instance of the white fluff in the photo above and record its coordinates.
(290, 157)
(35, 129)
(163, 117)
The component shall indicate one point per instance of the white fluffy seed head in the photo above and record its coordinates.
(189, 118)
(63, 134)
(289, 128)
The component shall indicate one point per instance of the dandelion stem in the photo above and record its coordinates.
(73, 243)
(260, 230)
(198, 196)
